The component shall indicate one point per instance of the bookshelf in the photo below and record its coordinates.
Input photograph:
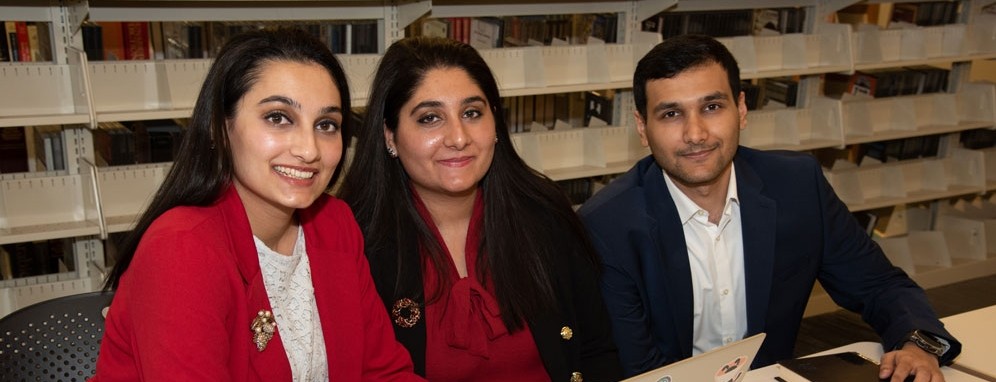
(88, 202)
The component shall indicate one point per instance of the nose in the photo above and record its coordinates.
(304, 146)
(695, 130)
(456, 135)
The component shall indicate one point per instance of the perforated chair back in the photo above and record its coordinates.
(54, 340)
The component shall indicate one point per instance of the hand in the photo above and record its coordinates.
(910, 361)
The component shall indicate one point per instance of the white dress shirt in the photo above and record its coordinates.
(716, 258)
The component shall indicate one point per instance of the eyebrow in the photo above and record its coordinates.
(717, 95)
(434, 103)
(297, 105)
(284, 100)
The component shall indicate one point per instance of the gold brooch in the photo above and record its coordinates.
(406, 313)
(263, 327)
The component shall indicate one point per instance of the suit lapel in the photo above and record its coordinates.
(758, 213)
(669, 238)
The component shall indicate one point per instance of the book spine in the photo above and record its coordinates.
(23, 45)
(136, 41)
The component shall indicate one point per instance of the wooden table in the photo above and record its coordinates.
(977, 332)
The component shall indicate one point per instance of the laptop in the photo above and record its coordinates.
(728, 363)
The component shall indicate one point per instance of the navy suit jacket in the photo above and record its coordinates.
(795, 231)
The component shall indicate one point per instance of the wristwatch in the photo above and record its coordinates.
(927, 342)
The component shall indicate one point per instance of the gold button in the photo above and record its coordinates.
(566, 333)
(576, 377)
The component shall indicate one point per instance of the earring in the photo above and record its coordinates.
(392, 152)
(496, 139)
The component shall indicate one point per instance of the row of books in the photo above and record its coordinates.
(887, 82)
(577, 190)
(38, 148)
(496, 32)
(977, 139)
(36, 258)
(125, 143)
(928, 13)
(139, 40)
(728, 23)
(546, 111)
(25, 41)
(782, 90)
(770, 92)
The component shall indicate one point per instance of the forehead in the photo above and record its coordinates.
(447, 81)
(692, 84)
(291, 74)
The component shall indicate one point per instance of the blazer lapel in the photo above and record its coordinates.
(758, 213)
(271, 363)
(336, 282)
(669, 238)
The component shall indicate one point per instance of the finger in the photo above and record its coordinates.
(902, 371)
(887, 365)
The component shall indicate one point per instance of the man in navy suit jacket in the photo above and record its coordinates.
(705, 242)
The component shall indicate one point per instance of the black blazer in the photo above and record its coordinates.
(589, 351)
(795, 231)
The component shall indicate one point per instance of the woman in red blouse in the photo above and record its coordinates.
(480, 260)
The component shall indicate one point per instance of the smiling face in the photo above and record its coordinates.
(446, 134)
(285, 138)
(693, 125)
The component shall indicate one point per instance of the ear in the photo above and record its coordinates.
(389, 138)
(641, 128)
(742, 110)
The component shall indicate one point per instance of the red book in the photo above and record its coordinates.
(23, 45)
(136, 40)
(113, 36)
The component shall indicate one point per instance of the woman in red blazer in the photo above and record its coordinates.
(242, 269)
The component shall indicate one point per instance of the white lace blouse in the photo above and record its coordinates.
(288, 284)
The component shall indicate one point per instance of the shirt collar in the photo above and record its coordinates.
(687, 208)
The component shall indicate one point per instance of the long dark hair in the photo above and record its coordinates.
(523, 209)
(677, 54)
(203, 168)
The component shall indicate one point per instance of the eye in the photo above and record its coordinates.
(669, 114)
(327, 126)
(277, 118)
(428, 119)
(713, 107)
(473, 114)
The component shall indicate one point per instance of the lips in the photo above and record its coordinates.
(294, 173)
(456, 162)
(698, 152)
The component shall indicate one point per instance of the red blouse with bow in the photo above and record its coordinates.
(465, 336)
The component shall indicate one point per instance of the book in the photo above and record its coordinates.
(10, 34)
(44, 42)
(436, 28)
(136, 40)
(4, 47)
(849, 366)
(485, 33)
(23, 45)
(93, 41)
(13, 150)
(112, 35)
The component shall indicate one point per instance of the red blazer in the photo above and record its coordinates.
(184, 307)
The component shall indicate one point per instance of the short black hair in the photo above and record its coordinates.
(678, 54)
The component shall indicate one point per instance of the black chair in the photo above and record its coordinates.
(54, 340)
